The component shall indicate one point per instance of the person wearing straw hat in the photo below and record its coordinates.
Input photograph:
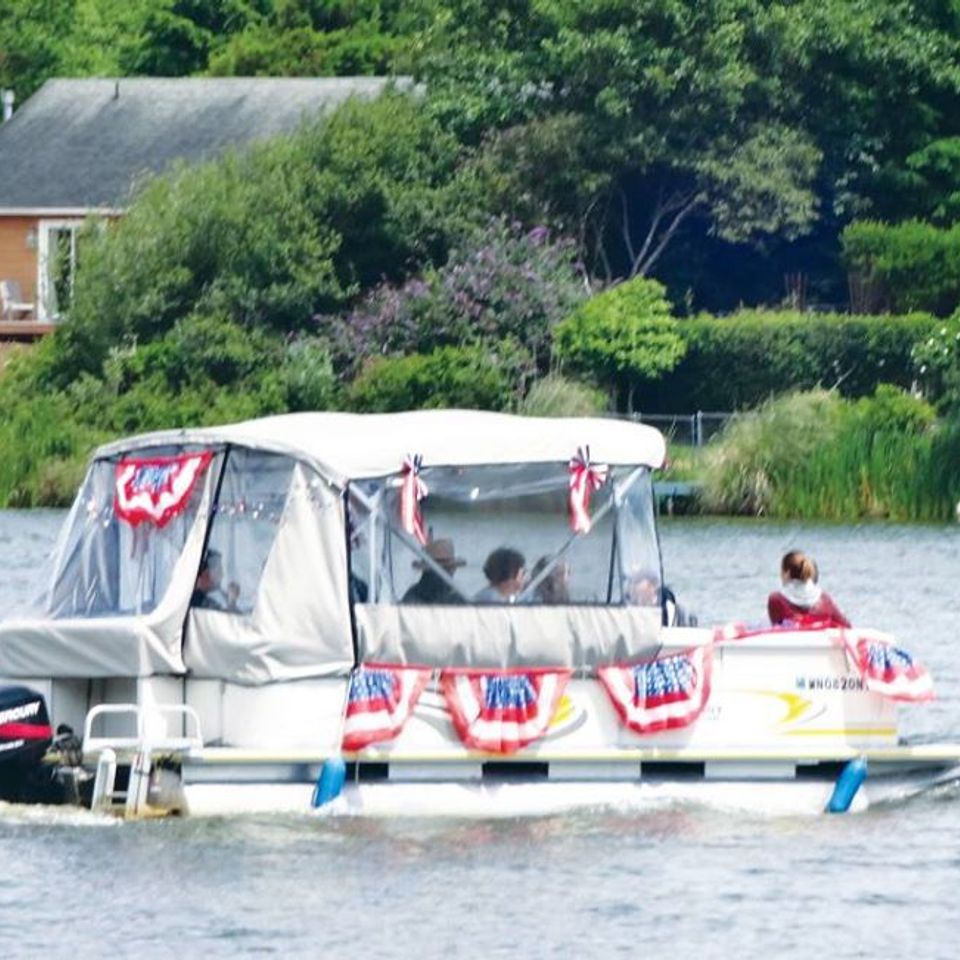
(431, 587)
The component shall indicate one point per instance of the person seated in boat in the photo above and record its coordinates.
(555, 586)
(644, 590)
(431, 587)
(504, 568)
(208, 591)
(800, 599)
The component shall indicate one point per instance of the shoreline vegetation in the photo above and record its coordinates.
(575, 209)
(815, 456)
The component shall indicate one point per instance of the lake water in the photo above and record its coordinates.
(673, 880)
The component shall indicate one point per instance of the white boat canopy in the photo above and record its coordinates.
(350, 446)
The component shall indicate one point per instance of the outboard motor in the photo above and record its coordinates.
(25, 737)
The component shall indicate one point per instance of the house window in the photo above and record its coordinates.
(56, 267)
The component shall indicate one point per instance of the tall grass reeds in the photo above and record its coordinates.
(815, 456)
(557, 396)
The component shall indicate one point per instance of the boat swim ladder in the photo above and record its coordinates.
(149, 741)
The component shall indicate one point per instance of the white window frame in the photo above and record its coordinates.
(45, 231)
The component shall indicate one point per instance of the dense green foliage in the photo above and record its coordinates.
(668, 137)
(204, 370)
(43, 38)
(668, 124)
(737, 362)
(269, 237)
(815, 455)
(936, 359)
(461, 377)
(907, 266)
(622, 337)
(461, 245)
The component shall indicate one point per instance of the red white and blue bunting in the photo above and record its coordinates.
(585, 478)
(661, 694)
(502, 711)
(157, 489)
(888, 669)
(380, 700)
(412, 491)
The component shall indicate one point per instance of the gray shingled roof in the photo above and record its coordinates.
(82, 143)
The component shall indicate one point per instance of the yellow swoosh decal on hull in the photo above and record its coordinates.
(563, 713)
(796, 705)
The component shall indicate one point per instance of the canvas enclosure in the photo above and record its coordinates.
(285, 560)
(122, 598)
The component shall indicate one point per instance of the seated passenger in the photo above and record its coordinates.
(208, 592)
(800, 600)
(504, 569)
(431, 587)
(644, 590)
(555, 586)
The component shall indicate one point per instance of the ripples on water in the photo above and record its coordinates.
(673, 880)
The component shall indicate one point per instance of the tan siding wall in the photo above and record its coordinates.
(17, 262)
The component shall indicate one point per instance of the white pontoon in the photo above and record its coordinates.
(216, 593)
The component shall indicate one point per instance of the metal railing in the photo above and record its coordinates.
(690, 429)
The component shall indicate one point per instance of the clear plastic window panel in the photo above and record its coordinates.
(638, 549)
(107, 567)
(246, 516)
(492, 518)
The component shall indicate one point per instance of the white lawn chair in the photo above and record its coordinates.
(12, 304)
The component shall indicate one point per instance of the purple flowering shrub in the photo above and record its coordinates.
(509, 285)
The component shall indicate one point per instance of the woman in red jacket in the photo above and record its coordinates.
(800, 600)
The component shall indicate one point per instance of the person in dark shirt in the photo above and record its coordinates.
(431, 587)
(800, 599)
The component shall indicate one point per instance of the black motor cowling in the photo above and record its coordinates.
(25, 734)
(25, 737)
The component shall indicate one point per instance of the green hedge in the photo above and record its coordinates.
(737, 362)
(471, 377)
(906, 266)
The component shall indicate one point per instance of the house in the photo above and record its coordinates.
(79, 147)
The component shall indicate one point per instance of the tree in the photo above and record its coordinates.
(906, 266)
(31, 42)
(471, 377)
(747, 119)
(621, 336)
(271, 237)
